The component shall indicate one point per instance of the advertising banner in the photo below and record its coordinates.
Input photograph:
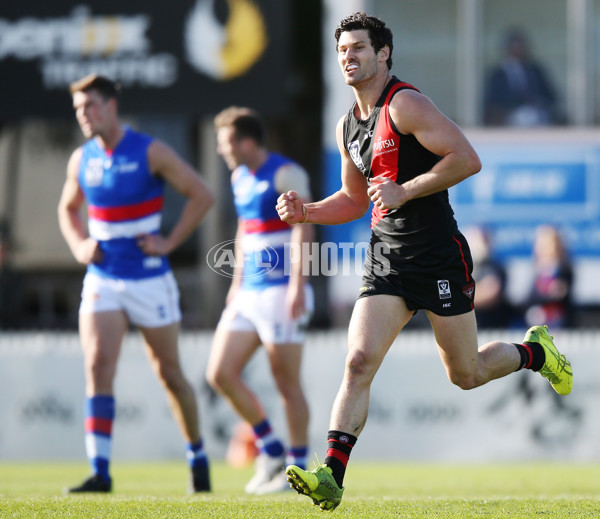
(528, 179)
(190, 57)
(419, 416)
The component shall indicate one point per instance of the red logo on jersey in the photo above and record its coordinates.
(468, 290)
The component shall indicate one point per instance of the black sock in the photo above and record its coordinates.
(339, 447)
(532, 355)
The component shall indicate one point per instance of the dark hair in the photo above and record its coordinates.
(379, 34)
(107, 88)
(245, 121)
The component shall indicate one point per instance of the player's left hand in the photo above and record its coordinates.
(385, 193)
(153, 244)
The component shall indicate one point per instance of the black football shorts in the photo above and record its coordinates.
(439, 281)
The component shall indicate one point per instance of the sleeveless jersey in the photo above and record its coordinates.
(124, 200)
(377, 148)
(264, 234)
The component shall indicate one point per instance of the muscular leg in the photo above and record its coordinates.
(101, 336)
(375, 323)
(285, 362)
(163, 353)
(230, 352)
(467, 365)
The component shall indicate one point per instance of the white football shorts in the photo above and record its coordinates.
(149, 303)
(265, 312)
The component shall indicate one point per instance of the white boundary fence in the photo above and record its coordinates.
(415, 412)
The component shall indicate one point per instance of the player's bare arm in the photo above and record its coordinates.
(349, 203)
(302, 237)
(415, 114)
(163, 161)
(238, 268)
(293, 178)
(84, 249)
(295, 296)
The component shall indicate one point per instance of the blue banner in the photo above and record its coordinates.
(525, 184)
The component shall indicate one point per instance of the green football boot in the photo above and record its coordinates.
(317, 484)
(557, 369)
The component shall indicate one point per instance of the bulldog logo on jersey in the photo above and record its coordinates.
(94, 171)
(354, 150)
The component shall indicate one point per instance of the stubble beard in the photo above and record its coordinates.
(364, 74)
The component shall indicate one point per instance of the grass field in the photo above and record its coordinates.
(158, 490)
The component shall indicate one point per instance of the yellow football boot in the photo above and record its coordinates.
(557, 369)
(317, 484)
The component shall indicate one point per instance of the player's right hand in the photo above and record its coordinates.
(290, 207)
(88, 252)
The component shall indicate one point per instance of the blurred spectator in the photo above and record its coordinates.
(518, 91)
(491, 306)
(550, 297)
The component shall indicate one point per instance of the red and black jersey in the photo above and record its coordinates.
(377, 148)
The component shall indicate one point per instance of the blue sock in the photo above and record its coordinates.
(297, 456)
(196, 454)
(266, 441)
(99, 416)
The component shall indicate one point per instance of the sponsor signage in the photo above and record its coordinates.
(526, 182)
(506, 420)
(189, 57)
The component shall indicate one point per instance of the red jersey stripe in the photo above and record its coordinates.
(126, 212)
(384, 163)
(258, 225)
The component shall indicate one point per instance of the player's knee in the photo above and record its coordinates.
(171, 378)
(213, 379)
(358, 365)
(218, 379)
(98, 369)
(289, 388)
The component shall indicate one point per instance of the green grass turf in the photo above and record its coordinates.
(373, 490)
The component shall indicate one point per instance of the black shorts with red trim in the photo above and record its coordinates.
(439, 281)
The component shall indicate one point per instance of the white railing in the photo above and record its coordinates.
(415, 412)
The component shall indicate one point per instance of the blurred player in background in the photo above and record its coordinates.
(265, 304)
(121, 174)
(401, 153)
